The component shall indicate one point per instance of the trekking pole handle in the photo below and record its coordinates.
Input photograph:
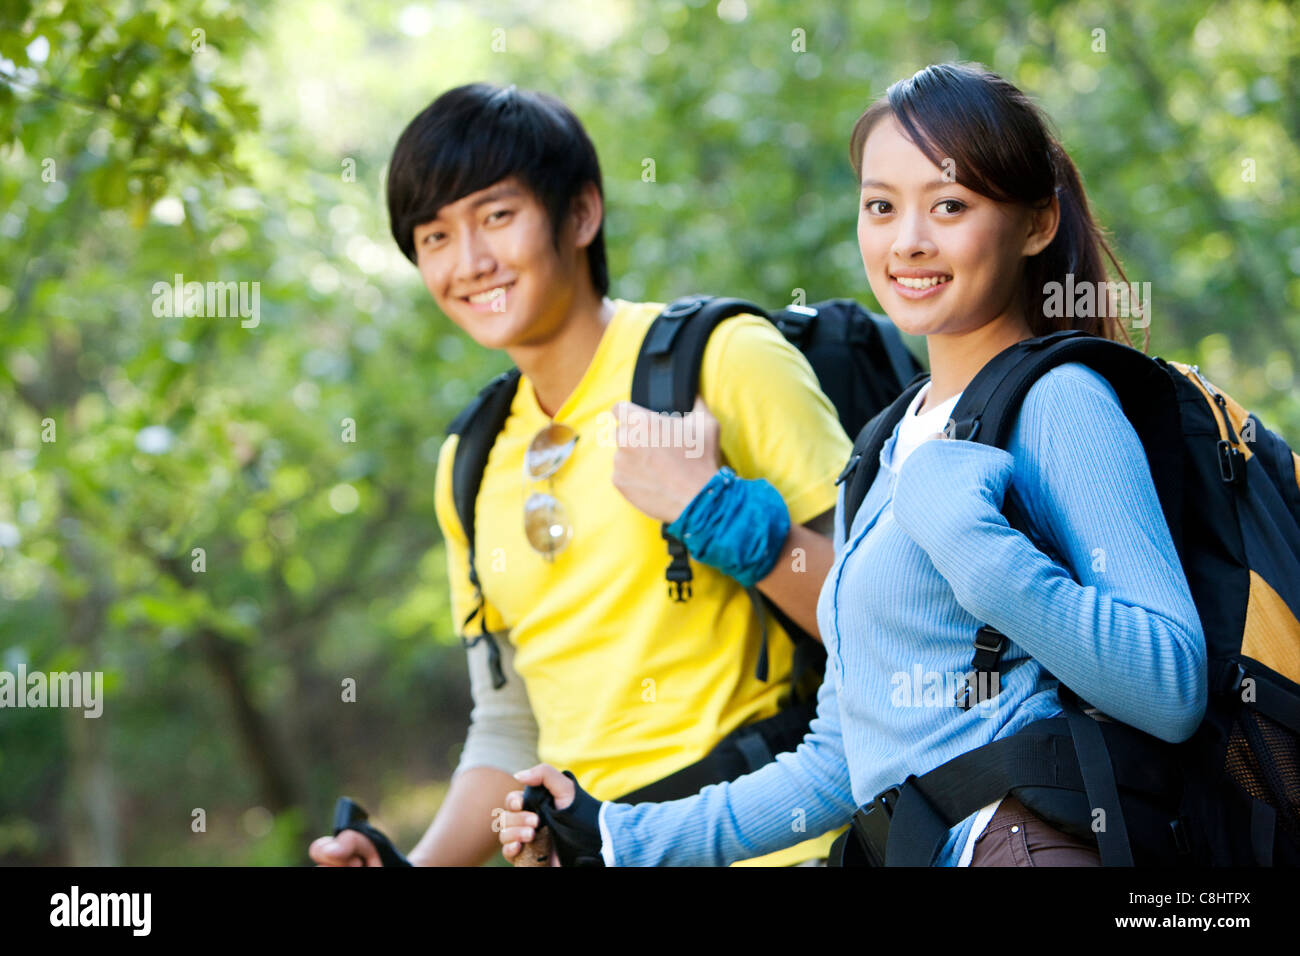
(538, 852)
(349, 815)
(538, 800)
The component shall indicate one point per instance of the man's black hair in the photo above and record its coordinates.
(478, 134)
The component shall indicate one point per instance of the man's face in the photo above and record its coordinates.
(491, 264)
(940, 258)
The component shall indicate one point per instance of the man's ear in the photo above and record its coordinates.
(586, 214)
(1043, 223)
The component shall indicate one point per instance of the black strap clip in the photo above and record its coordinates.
(1231, 463)
(849, 469)
(871, 825)
(679, 570)
(989, 644)
(953, 428)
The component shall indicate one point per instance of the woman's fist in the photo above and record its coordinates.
(519, 826)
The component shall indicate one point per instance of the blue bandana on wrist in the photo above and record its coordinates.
(735, 525)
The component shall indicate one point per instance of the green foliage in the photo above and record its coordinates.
(230, 142)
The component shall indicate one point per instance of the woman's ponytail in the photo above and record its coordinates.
(1076, 255)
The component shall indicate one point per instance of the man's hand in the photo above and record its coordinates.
(518, 826)
(349, 848)
(661, 481)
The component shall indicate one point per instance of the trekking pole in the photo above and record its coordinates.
(538, 852)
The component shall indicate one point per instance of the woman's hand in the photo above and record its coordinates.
(519, 826)
(663, 461)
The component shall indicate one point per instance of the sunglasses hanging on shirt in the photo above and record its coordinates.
(546, 520)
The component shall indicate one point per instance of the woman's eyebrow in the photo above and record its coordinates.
(930, 186)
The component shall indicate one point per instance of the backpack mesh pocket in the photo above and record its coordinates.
(1263, 759)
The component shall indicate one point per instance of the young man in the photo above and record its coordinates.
(495, 195)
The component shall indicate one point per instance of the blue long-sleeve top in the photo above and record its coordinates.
(1099, 600)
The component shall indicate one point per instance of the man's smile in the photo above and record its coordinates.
(488, 300)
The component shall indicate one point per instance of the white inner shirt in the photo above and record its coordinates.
(914, 428)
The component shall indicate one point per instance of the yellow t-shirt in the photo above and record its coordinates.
(626, 685)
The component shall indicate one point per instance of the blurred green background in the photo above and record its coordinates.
(240, 143)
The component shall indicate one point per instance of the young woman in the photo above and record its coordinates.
(969, 208)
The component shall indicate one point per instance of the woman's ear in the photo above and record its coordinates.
(586, 214)
(1043, 223)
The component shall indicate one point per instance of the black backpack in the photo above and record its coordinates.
(1228, 487)
(858, 356)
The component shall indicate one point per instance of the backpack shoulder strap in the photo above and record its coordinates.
(990, 406)
(666, 378)
(667, 373)
(864, 461)
(478, 426)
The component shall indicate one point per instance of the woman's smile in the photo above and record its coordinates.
(921, 286)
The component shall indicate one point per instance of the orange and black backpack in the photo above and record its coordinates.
(1230, 492)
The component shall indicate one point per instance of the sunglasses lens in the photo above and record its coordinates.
(546, 524)
(548, 451)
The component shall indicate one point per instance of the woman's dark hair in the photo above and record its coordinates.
(999, 144)
(475, 135)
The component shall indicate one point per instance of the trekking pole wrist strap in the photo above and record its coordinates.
(348, 815)
(575, 829)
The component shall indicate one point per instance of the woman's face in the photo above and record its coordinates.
(941, 259)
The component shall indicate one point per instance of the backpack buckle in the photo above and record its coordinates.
(989, 644)
(957, 428)
(871, 825)
(678, 573)
(989, 639)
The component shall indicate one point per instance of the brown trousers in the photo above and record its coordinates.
(1015, 837)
